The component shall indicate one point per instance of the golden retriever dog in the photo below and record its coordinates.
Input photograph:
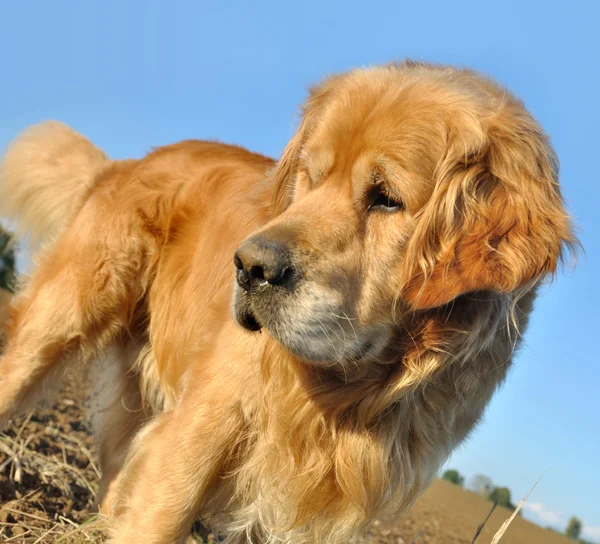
(286, 349)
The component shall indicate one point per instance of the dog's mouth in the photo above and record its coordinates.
(314, 339)
(248, 320)
(244, 314)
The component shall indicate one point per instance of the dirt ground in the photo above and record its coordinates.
(447, 514)
(48, 478)
(48, 475)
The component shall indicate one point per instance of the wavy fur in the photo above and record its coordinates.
(44, 177)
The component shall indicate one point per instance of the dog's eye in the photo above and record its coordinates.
(379, 199)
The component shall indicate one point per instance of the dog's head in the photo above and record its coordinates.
(405, 187)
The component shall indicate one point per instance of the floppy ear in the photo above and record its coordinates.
(285, 169)
(496, 220)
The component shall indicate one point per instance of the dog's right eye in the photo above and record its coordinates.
(379, 199)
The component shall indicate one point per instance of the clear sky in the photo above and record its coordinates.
(136, 74)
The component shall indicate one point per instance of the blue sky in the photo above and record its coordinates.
(131, 75)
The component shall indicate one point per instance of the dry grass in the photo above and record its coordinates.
(28, 528)
(498, 536)
(48, 479)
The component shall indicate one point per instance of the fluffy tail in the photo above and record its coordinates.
(44, 178)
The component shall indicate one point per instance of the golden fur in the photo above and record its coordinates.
(372, 365)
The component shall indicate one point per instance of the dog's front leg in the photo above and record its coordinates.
(174, 462)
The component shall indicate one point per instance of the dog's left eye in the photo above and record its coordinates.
(379, 199)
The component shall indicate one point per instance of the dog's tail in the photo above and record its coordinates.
(44, 178)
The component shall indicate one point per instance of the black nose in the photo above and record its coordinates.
(262, 262)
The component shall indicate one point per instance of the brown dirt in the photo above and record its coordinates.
(447, 514)
(48, 476)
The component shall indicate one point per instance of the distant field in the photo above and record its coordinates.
(448, 514)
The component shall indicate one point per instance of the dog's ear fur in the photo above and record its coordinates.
(496, 219)
(285, 170)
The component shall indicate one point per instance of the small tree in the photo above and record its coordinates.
(454, 477)
(574, 528)
(481, 484)
(502, 496)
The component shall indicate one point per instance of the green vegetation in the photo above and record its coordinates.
(573, 529)
(454, 477)
(7, 260)
(501, 495)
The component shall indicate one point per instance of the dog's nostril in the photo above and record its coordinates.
(243, 279)
(279, 276)
(260, 275)
(238, 262)
(257, 273)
